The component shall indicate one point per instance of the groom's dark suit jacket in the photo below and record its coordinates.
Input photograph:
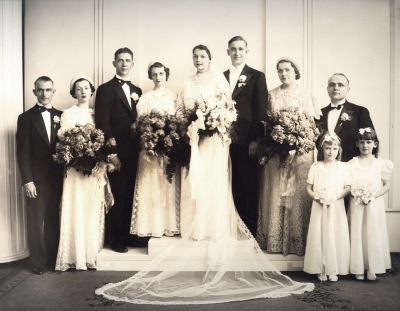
(34, 156)
(358, 117)
(114, 115)
(251, 105)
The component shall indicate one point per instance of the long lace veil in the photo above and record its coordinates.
(227, 265)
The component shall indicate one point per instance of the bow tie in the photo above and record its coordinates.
(338, 107)
(43, 109)
(122, 82)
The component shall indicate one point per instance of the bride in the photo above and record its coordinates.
(226, 263)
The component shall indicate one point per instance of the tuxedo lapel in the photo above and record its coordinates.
(38, 122)
(226, 74)
(245, 72)
(121, 94)
(339, 123)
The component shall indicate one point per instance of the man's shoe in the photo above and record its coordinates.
(37, 271)
(120, 249)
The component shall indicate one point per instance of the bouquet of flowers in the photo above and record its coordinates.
(151, 129)
(162, 134)
(82, 147)
(362, 192)
(325, 196)
(219, 113)
(287, 130)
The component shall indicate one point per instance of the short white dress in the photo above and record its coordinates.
(368, 230)
(328, 242)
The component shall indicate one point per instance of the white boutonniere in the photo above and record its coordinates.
(242, 80)
(56, 120)
(134, 96)
(345, 117)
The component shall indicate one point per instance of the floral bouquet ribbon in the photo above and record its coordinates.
(195, 166)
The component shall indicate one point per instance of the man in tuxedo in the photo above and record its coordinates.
(115, 111)
(41, 176)
(249, 91)
(342, 117)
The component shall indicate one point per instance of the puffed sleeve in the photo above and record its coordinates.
(311, 173)
(141, 107)
(387, 169)
(67, 121)
(309, 105)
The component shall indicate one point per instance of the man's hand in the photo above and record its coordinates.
(30, 190)
(113, 159)
(253, 149)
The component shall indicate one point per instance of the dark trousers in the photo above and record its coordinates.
(245, 184)
(43, 224)
(118, 219)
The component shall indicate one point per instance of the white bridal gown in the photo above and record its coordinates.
(213, 235)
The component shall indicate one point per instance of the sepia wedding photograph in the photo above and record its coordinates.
(199, 155)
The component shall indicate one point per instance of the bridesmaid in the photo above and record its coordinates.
(282, 225)
(155, 205)
(85, 198)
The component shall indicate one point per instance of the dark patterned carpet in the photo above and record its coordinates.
(74, 290)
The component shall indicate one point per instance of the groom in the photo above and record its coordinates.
(249, 91)
(115, 111)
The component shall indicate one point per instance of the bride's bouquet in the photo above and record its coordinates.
(218, 113)
(161, 134)
(83, 147)
(362, 192)
(287, 130)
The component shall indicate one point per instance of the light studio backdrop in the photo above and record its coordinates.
(64, 38)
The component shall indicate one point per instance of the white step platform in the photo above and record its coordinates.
(136, 258)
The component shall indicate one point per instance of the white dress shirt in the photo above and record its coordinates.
(126, 89)
(47, 120)
(234, 73)
(333, 116)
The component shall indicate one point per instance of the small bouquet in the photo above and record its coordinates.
(325, 196)
(219, 113)
(287, 130)
(83, 147)
(362, 192)
(162, 134)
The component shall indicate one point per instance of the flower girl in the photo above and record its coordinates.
(328, 242)
(368, 231)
